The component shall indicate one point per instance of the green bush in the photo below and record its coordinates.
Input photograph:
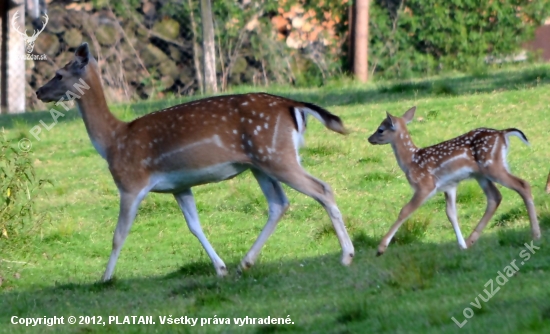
(18, 187)
(419, 37)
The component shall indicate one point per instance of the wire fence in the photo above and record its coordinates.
(150, 49)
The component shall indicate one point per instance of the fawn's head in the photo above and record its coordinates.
(66, 77)
(391, 127)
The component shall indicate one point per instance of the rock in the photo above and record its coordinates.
(75, 19)
(45, 70)
(175, 52)
(167, 82)
(106, 34)
(64, 58)
(73, 38)
(280, 23)
(169, 68)
(168, 28)
(294, 41)
(152, 56)
(56, 20)
(240, 65)
(47, 44)
(297, 22)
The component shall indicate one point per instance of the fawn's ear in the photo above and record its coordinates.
(391, 120)
(409, 115)
(82, 54)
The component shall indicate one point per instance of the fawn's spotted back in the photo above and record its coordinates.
(469, 153)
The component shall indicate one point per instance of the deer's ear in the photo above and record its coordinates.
(409, 115)
(82, 54)
(390, 120)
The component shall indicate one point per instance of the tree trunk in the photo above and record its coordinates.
(3, 56)
(209, 48)
(360, 57)
(12, 68)
(33, 9)
(351, 35)
(196, 50)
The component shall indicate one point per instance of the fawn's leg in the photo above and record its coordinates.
(523, 188)
(419, 197)
(493, 201)
(450, 198)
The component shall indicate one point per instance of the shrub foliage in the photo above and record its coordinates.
(413, 37)
(18, 187)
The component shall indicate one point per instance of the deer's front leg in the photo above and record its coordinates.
(187, 205)
(419, 197)
(129, 204)
(450, 199)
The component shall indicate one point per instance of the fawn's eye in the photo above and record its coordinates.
(380, 130)
(58, 76)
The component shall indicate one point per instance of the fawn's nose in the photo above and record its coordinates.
(38, 93)
(371, 140)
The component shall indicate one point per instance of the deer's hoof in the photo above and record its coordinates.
(221, 271)
(347, 258)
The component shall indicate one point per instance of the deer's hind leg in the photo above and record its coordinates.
(292, 174)
(278, 204)
(493, 201)
(522, 187)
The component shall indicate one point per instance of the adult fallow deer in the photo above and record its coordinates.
(478, 154)
(209, 140)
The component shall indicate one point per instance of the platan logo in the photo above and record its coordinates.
(29, 40)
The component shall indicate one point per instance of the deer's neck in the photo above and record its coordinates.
(101, 124)
(404, 149)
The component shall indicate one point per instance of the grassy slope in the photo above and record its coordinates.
(417, 286)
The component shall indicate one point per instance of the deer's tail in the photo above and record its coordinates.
(518, 133)
(328, 119)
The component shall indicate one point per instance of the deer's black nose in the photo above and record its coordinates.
(38, 93)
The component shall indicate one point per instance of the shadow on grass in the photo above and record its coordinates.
(513, 79)
(345, 296)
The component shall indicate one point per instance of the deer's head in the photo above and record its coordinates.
(29, 40)
(66, 77)
(391, 127)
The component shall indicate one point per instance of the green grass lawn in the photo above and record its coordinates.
(416, 286)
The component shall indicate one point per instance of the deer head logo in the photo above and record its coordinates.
(29, 40)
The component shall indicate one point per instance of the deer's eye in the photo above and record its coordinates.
(380, 130)
(58, 76)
